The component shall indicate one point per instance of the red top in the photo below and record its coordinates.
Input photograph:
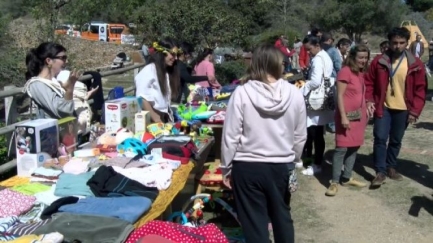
(304, 58)
(282, 48)
(353, 99)
(377, 81)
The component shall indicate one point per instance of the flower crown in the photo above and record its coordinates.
(164, 50)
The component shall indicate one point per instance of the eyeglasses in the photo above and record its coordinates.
(63, 58)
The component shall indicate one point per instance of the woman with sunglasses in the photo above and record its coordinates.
(158, 83)
(52, 98)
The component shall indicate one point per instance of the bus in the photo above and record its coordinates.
(100, 31)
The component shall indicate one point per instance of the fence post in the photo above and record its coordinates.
(11, 116)
(136, 71)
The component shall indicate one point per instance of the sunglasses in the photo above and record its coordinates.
(63, 58)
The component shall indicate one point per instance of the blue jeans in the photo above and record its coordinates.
(392, 126)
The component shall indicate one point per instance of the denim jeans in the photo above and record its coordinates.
(391, 126)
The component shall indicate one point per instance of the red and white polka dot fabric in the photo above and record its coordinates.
(180, 234)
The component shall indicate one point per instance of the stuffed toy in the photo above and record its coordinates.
(122, 134)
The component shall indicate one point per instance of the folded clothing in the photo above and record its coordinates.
(123, 162)
(31, 188)
(7, 222)
(47, 197)
(14, 203)
(127, 208)
(47, 172)
(87, 228)
(54, 207)
(74, 185)
(34, 214)
(108, 183)
(20, 229)
(76, 166)
(158, 175)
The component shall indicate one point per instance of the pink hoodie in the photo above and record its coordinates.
(264, 123)
(205, 68)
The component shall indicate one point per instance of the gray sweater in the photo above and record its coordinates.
(50, 104)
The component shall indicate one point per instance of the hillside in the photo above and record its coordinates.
(82, 54)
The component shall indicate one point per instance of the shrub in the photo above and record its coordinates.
(229, 71)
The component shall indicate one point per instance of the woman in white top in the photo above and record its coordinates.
(159, 83)
(321, 66)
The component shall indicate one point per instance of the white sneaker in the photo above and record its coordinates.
(311, 170)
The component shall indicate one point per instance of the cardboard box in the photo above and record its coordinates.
(142, 119)
(68, 130)
(36, 141)
(120, 113)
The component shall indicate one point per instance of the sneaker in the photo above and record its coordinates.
(312, 170)
(332, 190)
(354, 183)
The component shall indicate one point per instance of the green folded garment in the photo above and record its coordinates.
(31, 188)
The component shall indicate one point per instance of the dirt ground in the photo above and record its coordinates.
(396, 212)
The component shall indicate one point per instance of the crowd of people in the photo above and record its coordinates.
(272, 126)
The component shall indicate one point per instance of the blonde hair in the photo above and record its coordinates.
(266, 60)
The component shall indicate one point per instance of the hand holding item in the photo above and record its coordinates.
(345, 122)
(411, 119)
(370, 109)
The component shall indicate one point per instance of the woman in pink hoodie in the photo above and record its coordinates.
(263, 135)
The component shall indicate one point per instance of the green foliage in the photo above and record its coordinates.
(11, 72)
(420, 5)
(256, 17)
(3, 149)
(192, 21)
(271, 36)
(230, 70)
(356, 17)
(84, 11)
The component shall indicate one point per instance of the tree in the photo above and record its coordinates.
(420, 5)
(356, 17)
(192, 21)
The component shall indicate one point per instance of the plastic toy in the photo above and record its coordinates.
(131, 147)
(192, 216)
(187, 112)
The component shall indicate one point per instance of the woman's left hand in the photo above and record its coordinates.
(227, 182)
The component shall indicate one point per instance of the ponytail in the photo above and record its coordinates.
(34, 64)
(35, 58)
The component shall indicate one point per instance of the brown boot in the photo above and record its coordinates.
(378, 180)
(394, 175)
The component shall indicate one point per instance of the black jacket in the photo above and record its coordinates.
(186, 77)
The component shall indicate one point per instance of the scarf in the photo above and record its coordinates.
(53, 84)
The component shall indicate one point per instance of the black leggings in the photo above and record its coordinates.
(316, 136)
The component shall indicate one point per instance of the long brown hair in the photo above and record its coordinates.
(266, 60)
(158, 58)
(350, 60)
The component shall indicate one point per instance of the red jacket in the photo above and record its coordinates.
(279, 44)
(377, 81)
(304, 58)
